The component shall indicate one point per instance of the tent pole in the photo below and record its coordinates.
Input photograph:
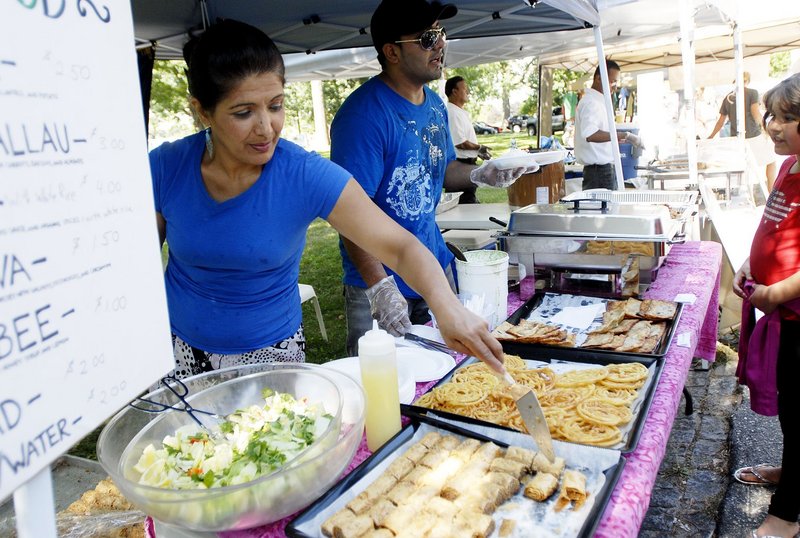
(738, 61)
(35, 507)
(612, 126)
(687, 57)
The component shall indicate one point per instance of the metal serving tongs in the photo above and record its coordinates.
(180, 390)
(427, 343)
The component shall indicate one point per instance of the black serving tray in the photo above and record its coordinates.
(303, 525)
(516, 348)
(545, 355)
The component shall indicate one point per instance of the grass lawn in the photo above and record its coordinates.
(321, 267)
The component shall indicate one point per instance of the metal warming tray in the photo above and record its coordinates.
(594, 219)
(592, 236)
(682, 205)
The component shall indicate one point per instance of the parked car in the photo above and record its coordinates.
(557, 121)
(519, 122)
(482, 128)
(528, 123)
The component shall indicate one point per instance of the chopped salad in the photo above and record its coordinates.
(252, 442)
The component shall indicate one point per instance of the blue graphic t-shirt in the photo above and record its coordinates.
(398, 152)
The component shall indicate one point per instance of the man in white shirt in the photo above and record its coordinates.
(461, 130)
(592, 134)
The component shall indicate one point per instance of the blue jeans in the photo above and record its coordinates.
(359, 317)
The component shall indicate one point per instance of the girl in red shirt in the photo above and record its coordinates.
(773, 270)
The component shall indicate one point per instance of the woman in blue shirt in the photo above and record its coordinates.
(234, 203)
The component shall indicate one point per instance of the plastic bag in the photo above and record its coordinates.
(114, 524)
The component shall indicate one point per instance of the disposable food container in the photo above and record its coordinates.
(257, 502)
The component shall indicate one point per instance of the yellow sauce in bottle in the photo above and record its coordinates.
(378, 360)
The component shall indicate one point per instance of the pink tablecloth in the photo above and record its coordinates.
(690, 268)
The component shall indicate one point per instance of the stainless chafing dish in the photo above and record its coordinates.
(601, 240)
(682, 205)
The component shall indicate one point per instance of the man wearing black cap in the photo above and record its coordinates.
(392, 135)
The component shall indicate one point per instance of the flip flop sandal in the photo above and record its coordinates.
(754, 534)
(760, 479)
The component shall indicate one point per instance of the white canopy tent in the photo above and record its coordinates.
(328, 40)
(315, 26)
(312, 26)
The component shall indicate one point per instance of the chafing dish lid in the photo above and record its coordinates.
(641, 222)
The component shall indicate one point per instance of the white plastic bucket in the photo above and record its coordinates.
(486, 272)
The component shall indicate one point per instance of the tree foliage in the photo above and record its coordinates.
(299, 108)
(779, 64)
(170, 112)
(487, 82)
(562, 81)
(495, 80)
(170, 89)
(335, 92)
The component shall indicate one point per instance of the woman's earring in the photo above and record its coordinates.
(209, 143)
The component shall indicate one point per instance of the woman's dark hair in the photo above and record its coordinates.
(224, 55)
(785, 98)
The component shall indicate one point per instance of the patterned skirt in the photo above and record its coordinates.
(192, 361)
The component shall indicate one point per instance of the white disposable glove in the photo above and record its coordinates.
(489, 175)
(633, 139)
(389, 307)
(484, 153)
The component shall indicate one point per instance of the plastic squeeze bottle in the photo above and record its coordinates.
(378, 359)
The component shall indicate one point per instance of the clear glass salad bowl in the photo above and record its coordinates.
(257, 502)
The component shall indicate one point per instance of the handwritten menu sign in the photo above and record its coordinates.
(83, 319)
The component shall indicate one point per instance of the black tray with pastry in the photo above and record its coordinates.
(436, 478)
(563, 323)
(596, 399)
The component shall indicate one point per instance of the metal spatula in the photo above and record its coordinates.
(532, 415)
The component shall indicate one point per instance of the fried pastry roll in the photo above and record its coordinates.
(401, 491)
(541, 487)
(417, 475)
(339, 517)
(416, 452)
(465, 480)
(473, 524)
(573, 489)
(574, 486)
(484, 498)
(380, 510)
(508, 466)
(486, 453)
(447, 442)
(542, 465)
(353, 528)
(506, 527)
(418, 527)
(522, 455)
(430, 439)
(363, 501)
(400, 467)
(442, 508)
(399, 519)
(466, 449)
(379, 533)
(508, 484)
(434, 458)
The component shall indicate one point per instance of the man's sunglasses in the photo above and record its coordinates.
(428, 39)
